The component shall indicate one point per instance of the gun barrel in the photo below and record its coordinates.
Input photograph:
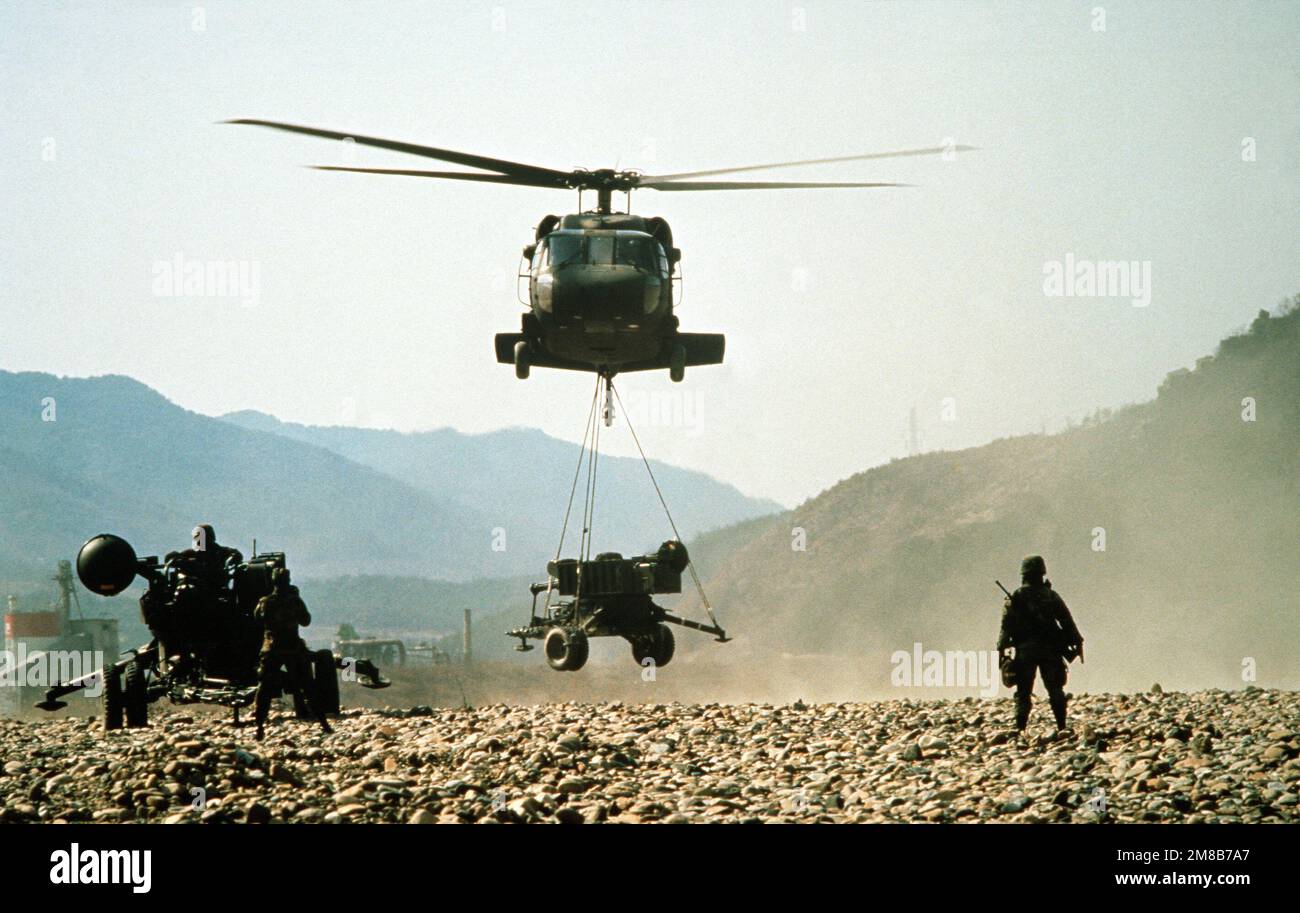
(1002, 588)
(697, 626)
(63, 689)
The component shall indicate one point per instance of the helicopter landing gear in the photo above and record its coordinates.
(522, 360)
(677, 364)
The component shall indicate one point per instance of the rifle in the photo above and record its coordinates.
(1002, 588)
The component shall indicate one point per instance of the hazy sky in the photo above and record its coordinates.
(377, 297)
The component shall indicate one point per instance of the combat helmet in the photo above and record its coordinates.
(1033, 568)
(204, 537)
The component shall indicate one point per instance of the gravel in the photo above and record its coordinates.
(1210, 756)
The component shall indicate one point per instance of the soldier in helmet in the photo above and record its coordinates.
(197, 610)
(207, 560)
(1036, 622)
(283, 651)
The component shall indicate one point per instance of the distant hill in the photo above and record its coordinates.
(519, 480)
(80, 456)
(1200, 512)
(118, 457)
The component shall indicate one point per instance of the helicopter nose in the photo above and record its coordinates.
(605, 300)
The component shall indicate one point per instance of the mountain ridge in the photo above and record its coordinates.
(497, 471)
(1164, 523)
(110, 454)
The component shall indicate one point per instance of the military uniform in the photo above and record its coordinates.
(192, 613)
(283, 651)
(208, 562)
(1037, 623)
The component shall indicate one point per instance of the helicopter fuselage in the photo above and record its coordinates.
(600, 297)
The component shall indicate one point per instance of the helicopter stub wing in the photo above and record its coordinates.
(505, 348)
(701, 349)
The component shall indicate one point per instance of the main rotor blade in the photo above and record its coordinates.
(757, 185)
(453, 175)
(933, 150)
(515, 169)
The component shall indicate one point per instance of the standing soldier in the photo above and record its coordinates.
(281, 612)
(1036, 622)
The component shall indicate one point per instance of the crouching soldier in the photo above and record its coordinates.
(284, 656)
(1036, 622)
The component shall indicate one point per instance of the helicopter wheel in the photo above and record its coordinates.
(566, 649)
(677, 364)
(522, 361)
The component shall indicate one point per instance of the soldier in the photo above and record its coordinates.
(195, 612)
(281, 612)
(206, 559)
(1037, 623)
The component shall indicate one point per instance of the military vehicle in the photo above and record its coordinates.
(199, 608)
(609, 596)
(600, 282)
(389, 651)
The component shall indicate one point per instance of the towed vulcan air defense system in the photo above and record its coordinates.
(206, 642)
(609, 596)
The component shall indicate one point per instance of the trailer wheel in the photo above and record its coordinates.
(136, 694)
(659, 646)
(113, 703)
(665, 645)
(299, 705)
(325, 678)
(566, 649)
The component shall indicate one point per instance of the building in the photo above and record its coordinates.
(48, 646)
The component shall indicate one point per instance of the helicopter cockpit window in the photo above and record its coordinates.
(564, 249)
(600, 250)
(634, 250)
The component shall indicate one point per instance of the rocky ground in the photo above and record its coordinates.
(1215, 756)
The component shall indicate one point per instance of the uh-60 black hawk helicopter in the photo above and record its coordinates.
(600, 283)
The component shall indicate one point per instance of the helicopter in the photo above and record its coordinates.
(600, 282)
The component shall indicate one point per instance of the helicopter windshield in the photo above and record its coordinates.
(600, 250)
(565, 248)
(623, 250)
(637, 250)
